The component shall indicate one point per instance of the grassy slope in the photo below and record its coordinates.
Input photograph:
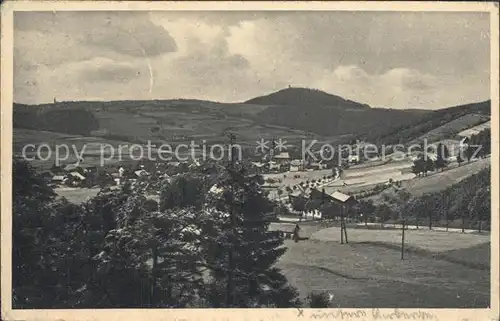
(440, 181)
(177, 121)
(431, 121)
(452, 128)
(91, 151)
(476, 129)
(366, 274)
(435, 182)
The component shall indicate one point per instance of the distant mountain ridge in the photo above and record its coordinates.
(294, 109)
(294, 96)
(326, 114)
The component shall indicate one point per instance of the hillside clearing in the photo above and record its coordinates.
(439, 181)
(366, 274)
(452, 128)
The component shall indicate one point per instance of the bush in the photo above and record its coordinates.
(318, 299)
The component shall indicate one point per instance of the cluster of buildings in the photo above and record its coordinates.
(71, 175)
(76, 175)
(282, 162)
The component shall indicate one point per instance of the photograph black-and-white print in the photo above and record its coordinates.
(252, 159)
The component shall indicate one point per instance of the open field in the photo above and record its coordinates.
(376, 169)
(183, 121)
(429, 240)
(452, 128)
(368, 176)
(366, 274)
(475, 130)
(440, 180)
(88, 147)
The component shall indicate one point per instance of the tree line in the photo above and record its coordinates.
(402, 133)
(466, 204)
(199, 246)
(477, 146)
(76, 121)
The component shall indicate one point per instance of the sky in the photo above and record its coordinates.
(385, 59)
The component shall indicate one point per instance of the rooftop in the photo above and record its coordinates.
(340, 196)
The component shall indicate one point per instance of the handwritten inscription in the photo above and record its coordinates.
(376, 314)
(340, 314)
(397, 314)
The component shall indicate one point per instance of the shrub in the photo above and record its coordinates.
(318, 299)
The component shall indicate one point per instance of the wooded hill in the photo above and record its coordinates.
(292, 109)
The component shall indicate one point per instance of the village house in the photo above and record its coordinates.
(282, 158)
(77, 176)
(59, 179)
(353, 159)
(260, 167)
(141, 173)
(317, 165)
(274, 166)
(73, 168)
(297, 165)
(341, 205)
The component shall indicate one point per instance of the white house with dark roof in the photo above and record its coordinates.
(77, 175)
(282, 158)
(341, 197)
(58, 179)
(297, 165)
(141, 173)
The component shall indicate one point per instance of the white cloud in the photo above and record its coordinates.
(383, 59)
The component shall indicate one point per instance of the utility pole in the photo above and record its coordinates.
(343, 230)
(403, 241)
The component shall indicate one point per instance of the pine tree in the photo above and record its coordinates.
(241, 249)
(417, 167)
(367, 209)
(429, 166)
(157, 253)
(442, 156)
(32, 282)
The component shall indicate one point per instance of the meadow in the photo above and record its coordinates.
(440, 269)
(452, 128)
